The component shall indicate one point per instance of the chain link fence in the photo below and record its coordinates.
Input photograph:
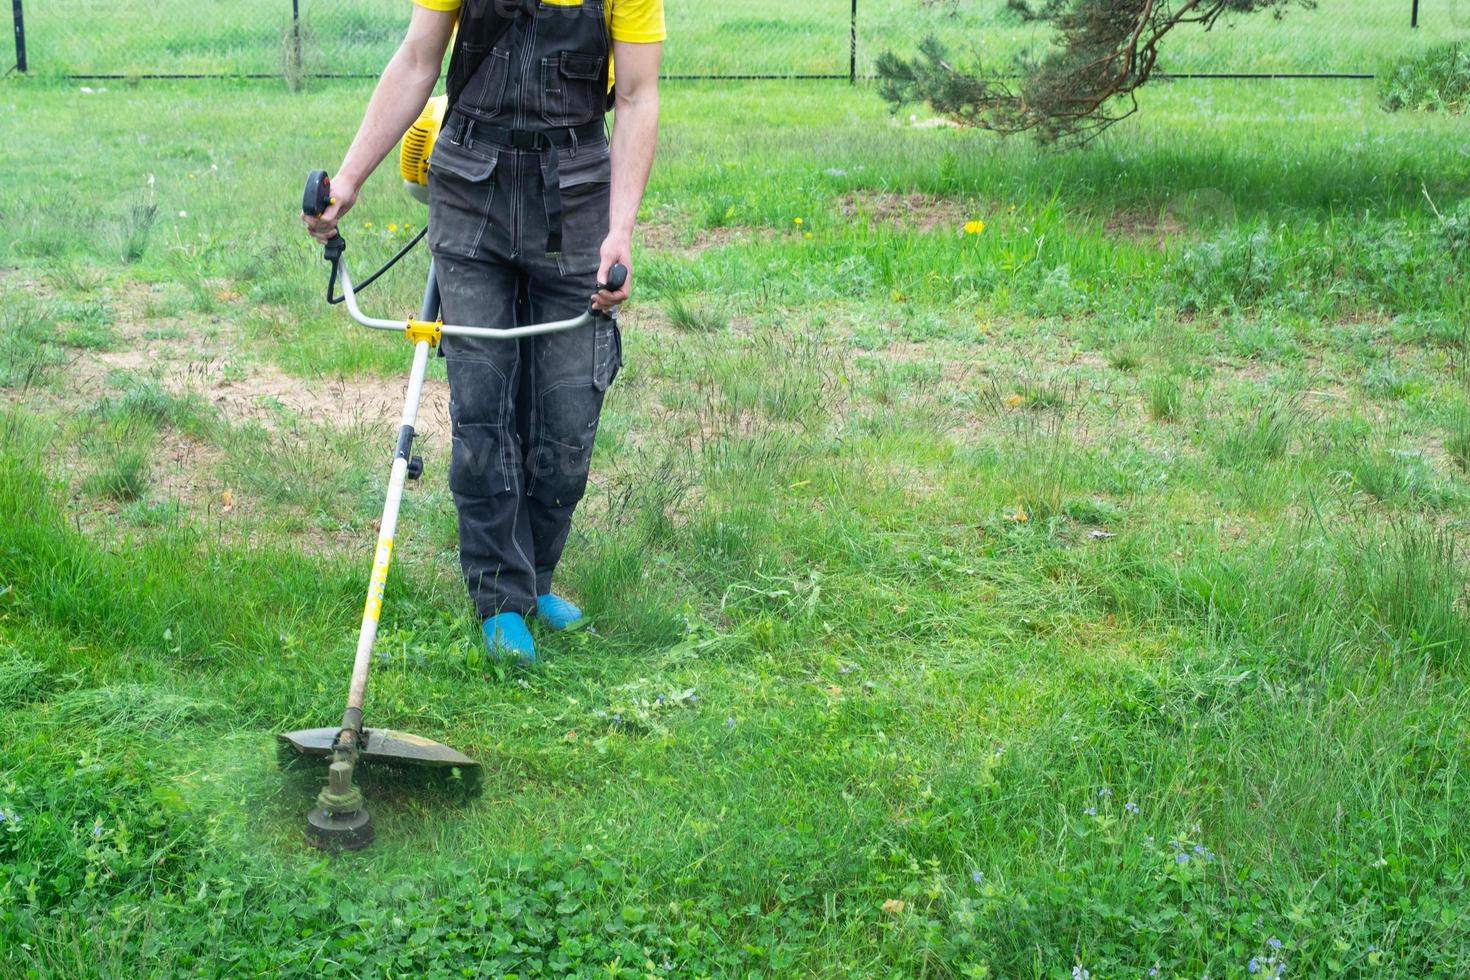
(839, 39)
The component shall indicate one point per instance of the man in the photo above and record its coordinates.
(529, 207)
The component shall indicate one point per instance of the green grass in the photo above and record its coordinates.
(902, 590)
(750, 37)
(1437, 80)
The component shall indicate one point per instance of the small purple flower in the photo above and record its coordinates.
(97, 828)
(617, 719)
(1274, 943)
(1199, 849)
(1078, 973)
(1254, 965)
(1153, 971)
(1105, 792)
(730, 722)
(660, 699)
(1181, 858)
(1372, 948)
(1091, 811)
(1131, 807)
(693, 698)
(977, 876)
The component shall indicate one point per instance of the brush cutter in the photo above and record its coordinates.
(340, 819)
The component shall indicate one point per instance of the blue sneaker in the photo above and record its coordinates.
(506, 635)
(559, 613)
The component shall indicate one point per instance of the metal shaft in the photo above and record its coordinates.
(383, 554)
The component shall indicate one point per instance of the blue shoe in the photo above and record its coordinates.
(506, 635)
(559, 613)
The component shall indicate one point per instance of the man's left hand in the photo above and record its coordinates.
(615, 249)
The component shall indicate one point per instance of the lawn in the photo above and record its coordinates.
(1003, 563)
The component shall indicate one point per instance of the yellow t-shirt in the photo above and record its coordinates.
(632, 21)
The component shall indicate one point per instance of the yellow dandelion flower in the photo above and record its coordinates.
(807, 235)
(392, 227)
(798, 221)
(974, 227)
(367, 224)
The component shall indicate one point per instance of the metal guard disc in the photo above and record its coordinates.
(383, 744)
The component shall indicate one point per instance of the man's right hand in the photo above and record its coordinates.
(324, 226)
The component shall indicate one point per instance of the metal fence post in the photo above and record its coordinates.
(296, 34)
(1414, 17)
(20, 36)
(852, 45)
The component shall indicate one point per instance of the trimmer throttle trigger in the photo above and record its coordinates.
(616, 276)
(314, 200)
(318, 195)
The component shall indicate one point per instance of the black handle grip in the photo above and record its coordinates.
(318, 194)
(616, 276)
(314, 200)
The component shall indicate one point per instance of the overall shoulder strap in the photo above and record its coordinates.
(482, 23)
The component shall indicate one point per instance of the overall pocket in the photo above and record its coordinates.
(570, 84)
(607, 352)
(461, 191)
(585, 179)
(485, 91)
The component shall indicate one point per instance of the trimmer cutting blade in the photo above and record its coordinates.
(384, 745)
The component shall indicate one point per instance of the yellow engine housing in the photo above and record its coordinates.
(418, 143)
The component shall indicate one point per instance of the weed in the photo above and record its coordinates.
(692, 319)
(1457, 440)
(1126, 356)
(137, 229)
(1395, 476)
(28, 351)
(122, 449)
(1264, 433)
(1165, 397)
(1437, 80)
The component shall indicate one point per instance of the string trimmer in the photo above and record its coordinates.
(340, 819)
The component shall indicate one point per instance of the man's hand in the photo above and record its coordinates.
(396, 103)
(344, 195)
(615, 248)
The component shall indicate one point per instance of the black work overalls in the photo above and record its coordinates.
(518, 209)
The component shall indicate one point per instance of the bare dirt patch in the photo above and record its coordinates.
(666, 236)
(911, 212)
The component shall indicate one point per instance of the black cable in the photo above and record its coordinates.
(359, 287)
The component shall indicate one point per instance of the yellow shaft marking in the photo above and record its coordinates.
(379, 581)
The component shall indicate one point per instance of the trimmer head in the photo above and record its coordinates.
(339, 831)
(340, 821)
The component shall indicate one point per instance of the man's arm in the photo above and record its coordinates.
(397, 101)
(635, 134)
